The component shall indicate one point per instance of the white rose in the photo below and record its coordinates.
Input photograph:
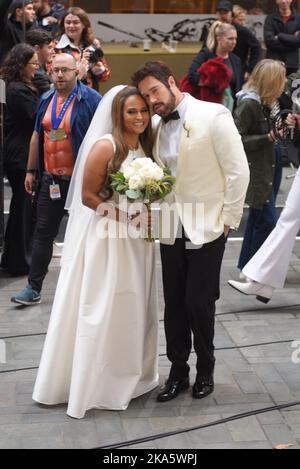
(136, 182)
(158, 173)
(141, 162)
(143, 170)
(151, 171)
(146, 172)
(128, 172)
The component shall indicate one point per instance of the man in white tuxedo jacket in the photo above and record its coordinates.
(199, 142)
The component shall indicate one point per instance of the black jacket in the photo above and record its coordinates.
(254, 123)
(42, 81)
(57, 11)
(280, 39)
(19, 119)
(11, 31)
(206, 54)
(247, 48)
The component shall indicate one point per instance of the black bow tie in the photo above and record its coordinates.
(172, 116)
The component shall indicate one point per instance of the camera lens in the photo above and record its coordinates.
(95, 55)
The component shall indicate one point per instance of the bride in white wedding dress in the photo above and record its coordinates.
(101, 345)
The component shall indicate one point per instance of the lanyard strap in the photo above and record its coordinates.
(55, 121)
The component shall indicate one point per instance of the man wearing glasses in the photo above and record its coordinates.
(63, 117)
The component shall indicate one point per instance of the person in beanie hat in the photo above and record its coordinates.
(224, 11)
(247, 48)
(14, 27)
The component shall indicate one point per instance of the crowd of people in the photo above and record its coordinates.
(62, 142)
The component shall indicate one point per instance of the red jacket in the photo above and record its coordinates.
(215, 78)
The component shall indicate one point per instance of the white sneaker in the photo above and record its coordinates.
(262, 292)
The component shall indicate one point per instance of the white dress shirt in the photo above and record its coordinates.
(169, 138)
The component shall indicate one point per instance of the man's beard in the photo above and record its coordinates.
(168, 107)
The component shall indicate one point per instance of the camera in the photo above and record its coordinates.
(96, 54)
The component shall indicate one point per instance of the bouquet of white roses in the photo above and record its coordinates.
(143, 180)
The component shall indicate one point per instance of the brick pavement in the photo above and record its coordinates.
(245, 379)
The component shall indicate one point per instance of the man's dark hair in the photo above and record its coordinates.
(18, 4)
(158, 70)
(38, 37)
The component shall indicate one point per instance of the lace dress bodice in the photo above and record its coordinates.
(132, 155)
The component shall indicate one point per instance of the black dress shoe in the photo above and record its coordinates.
(203, 387)
(172, 389)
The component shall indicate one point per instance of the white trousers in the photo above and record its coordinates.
(270, 263)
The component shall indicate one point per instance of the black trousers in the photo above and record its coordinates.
(191, 277)
(19, 228)
(48, 218)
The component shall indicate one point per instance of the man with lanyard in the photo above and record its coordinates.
(63, 117)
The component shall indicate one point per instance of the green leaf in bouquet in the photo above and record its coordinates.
(167, 171)
(117, 178)
(170, 179)
(152, 188)
(119, 175)
(132, 194)
(121, 188)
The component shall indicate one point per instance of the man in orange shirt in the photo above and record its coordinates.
(63, 117)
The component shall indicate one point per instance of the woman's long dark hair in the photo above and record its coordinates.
(14, 63)
(122, 148)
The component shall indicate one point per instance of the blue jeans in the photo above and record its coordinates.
(261, 222)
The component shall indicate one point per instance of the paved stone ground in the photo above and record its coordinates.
(246, 379)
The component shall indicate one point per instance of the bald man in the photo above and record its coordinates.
(63, 117)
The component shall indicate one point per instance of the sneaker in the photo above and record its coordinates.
(27, 297)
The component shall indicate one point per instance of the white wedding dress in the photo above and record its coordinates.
(101, 345)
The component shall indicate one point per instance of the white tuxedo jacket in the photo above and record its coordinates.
(212, 175)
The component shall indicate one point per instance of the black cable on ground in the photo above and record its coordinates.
(161, 320)
(164, 354)
(23, 335)
(263, 310)
(243, 346)
(19, 369)
(256, 345)
(199, 427)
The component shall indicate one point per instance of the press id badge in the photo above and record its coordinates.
(54, 192)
